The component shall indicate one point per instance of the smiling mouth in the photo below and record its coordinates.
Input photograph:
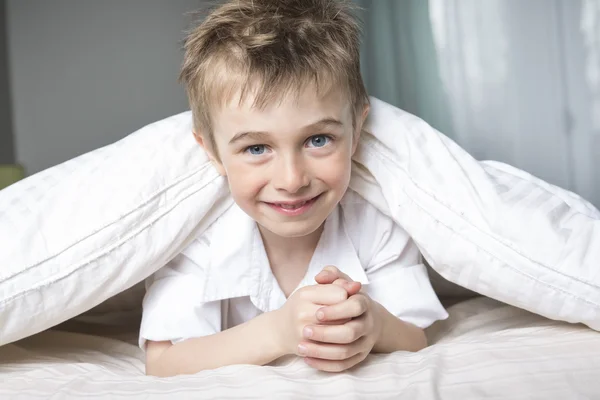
(290, 207)
(295, 204)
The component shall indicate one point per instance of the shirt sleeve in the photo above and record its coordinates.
(173, 309)
(398, 279)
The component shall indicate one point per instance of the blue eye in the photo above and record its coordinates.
(319, 141)
(256, 150)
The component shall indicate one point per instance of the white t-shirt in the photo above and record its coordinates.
(223, 277)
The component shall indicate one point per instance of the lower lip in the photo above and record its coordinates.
(292, 212)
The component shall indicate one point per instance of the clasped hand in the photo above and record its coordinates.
(332, 324)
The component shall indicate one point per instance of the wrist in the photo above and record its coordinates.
(395, 334)
(279, 337)
(379, 322)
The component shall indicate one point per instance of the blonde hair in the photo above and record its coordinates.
(272, 48)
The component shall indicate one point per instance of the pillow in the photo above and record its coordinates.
(81, 232)
(485, 226)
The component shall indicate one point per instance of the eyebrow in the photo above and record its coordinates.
(260, 135)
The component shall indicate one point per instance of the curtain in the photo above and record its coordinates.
(510, 80)
(399, 61)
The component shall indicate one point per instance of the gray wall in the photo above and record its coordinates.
(86, 73)
(6, 138)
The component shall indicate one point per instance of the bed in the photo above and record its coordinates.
(485, 350)
(89, 230)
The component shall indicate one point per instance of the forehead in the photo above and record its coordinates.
(287, 114)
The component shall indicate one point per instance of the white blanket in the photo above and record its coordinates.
(83, 231)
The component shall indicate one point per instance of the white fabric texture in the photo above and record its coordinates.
(81, 232)
(223, 278)
(484, 350)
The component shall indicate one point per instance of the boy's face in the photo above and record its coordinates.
(288, 165)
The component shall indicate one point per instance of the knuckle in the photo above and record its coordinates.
(363, 303)
(357, 331)
(345, 353)
(304, 315)
(302, 293)
(341, 293)
(366, 301)
(356, 308)
(314, 352)
(338, 282)
(346, 335)
(361, 308)
(352, 334)
(331, 268)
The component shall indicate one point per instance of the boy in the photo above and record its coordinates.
(299, 264)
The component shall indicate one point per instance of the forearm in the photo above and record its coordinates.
(253, 342)
(397, 335)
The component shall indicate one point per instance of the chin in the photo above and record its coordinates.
(294, 229)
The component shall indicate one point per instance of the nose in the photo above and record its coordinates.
(290, 174)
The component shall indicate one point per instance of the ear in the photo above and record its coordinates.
(212, 155)
(360, 121)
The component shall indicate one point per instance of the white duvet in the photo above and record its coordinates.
(83, 231)
(485, 350)
(86, 230)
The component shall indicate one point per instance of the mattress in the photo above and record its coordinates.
(485, 350)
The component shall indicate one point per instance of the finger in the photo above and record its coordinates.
(334, 352)
(323, 294)
(351, 287)
(354, 307)
(329, 274)
(333, 269)
(325, 277)
(335, 366)
(340, 282)
(338, 322)
(346, 333)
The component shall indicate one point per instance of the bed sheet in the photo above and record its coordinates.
(485, 350)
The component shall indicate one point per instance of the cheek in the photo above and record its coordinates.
(335, 171)
(244, 182)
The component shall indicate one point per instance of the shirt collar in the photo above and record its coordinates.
(335, 248)
(239, 265)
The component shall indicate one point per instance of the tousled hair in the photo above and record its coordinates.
(271, 48)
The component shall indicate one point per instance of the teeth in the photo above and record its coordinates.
(292, 207)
